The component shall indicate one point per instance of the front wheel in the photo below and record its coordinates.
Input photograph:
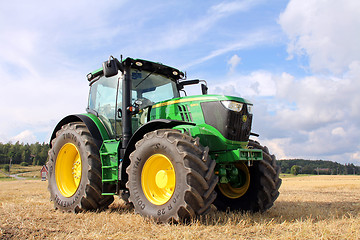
(171, 176)
(260, 185)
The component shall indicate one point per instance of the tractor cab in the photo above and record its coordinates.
(150, 83)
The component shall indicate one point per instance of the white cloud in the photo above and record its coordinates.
(246, 41)
(191, 30)
(339, 131)
(24, 137)
(325, 31)
(230, 7)
(37, 103)
(317, 101)
(257, 83)
(310, 117)
(356, 157)
(277, 147)
(233, 62)
(315, 116)
(42, 66)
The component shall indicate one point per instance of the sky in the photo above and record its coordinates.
(297, 61)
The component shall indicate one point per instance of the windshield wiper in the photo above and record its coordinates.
(144, 79)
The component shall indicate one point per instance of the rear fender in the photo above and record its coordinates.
(98, 134)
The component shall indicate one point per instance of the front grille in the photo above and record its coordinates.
(232, 125)
(185, 113)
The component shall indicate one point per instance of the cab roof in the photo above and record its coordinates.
(141, 64)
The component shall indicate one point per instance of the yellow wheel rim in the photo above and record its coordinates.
(68, 170)
(158, 179)
(232, 192)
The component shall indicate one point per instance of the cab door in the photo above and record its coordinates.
(103, 102)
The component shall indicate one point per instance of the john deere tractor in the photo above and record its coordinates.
(172, 157)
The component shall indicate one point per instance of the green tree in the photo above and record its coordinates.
(7, 168)
(295, 170)
(15, 153)
(43, 155)
(307, 169)
(25, 155)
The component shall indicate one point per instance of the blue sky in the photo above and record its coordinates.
(297, 61)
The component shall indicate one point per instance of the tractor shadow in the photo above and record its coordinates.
(120, 206)
(285, 211)
(282, 211)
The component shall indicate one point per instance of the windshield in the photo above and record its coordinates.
(152, 87)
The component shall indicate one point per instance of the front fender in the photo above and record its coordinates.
(139, 134)
(151, 126)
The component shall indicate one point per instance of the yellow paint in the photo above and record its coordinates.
(68, 169)
(232, 192)
(158, 179)
(244, 118)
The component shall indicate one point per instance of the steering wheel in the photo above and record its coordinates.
(143, 103)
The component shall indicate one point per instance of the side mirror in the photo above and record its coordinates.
(204, 89)
(112, 67)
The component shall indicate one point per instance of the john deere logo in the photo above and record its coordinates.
(244, 118)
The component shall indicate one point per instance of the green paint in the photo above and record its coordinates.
(104, 134)
(110, 165)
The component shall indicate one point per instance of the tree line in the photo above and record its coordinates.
(37, 153)
(301, 166)
(25, 154)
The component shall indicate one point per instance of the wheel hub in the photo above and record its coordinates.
(158, 179)
(68, 169)
(165, 179)
(240, 187)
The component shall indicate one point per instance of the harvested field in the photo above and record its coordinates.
(312, 207)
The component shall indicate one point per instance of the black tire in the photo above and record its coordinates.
(193, 191)
(86, 194)
(263, 189)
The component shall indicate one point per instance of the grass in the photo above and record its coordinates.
(310, 207)
(29, 172)
(289, 175)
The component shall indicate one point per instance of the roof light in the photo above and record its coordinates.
(89, 76)
(139, 64)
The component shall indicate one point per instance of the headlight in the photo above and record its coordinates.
(249, 108)
(233, 106)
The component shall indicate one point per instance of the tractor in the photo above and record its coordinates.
(172, 156)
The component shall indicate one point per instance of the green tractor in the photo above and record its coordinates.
(172, 157)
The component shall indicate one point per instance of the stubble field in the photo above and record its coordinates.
(312, 207)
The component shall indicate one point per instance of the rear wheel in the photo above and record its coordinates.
(260, 188)
(171, 176)
(75, 170)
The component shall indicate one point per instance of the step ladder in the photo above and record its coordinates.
(110, 167)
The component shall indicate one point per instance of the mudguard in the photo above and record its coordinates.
(139, 134)
(97, 130)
